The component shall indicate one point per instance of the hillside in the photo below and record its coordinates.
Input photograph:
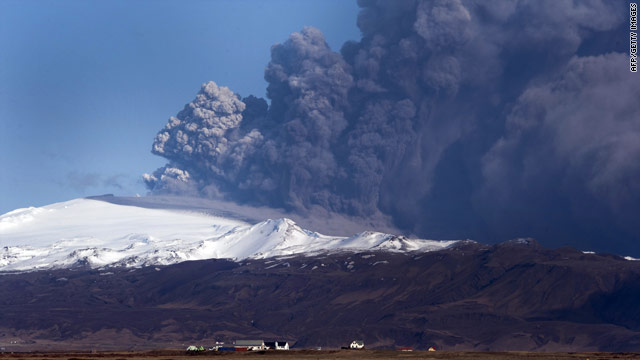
(511, 296)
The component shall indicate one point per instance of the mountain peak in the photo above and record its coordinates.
(94, 233)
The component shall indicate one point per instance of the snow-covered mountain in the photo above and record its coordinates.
(101, 234)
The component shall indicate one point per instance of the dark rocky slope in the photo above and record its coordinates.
(511, 296)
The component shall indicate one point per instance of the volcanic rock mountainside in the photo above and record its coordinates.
(514, 295)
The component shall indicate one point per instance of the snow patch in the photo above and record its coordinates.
(19, 217)
(98, 234)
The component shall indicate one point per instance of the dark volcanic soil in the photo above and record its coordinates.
(512, 296)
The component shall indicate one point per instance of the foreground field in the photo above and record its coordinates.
(312, 354)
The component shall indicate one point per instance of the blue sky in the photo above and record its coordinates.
(85, 86)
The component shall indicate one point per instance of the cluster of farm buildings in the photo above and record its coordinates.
(261, 345)
(244, 345)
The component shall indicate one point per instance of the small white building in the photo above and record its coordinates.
(277, 345)
(357, 344)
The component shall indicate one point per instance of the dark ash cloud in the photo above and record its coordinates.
(570, 153)
(458, 119)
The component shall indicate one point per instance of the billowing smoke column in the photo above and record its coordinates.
(459, 119)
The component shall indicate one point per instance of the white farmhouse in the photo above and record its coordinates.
(277, 345)
(357, 344)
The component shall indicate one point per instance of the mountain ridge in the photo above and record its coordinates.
(126, 277)
(103, 234)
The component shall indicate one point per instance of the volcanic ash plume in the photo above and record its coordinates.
(486, 120)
